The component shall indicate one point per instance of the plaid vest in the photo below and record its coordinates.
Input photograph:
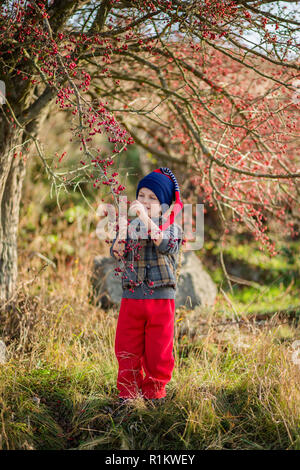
(145, 263)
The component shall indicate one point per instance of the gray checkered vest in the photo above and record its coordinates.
(147, 264)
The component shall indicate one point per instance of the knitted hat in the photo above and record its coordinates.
(164, 185)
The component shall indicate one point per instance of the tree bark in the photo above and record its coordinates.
(12, 172)
(14, 152)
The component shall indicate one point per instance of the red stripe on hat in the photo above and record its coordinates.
(177, 207)
(159, 171)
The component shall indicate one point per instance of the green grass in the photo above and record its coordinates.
(274, 281)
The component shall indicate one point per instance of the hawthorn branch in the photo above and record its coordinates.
(101, 16)
(196, 135)
(165, 157)
(207, 153)
(134, 23)
(37, 106)
(61, 10)
(267, 14)
(258, 54)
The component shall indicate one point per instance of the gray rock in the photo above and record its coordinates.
(2, 352)
(106, 286)
(195, 286)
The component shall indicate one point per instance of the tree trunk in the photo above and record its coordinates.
(12, 172)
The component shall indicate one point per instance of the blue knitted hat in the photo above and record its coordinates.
(164, 185)
(160, 184)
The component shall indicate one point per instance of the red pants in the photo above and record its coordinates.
(144, 341)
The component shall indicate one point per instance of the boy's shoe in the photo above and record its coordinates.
(123, 405)
(130, 401)
(126, 401)
(156, 401)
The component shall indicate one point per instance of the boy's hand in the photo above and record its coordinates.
(136, 207)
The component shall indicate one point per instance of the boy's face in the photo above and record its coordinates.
(150, 202)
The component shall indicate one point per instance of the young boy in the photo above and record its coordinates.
(145, 329)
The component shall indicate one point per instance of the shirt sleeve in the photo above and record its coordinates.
(172, 239)
(112, 244)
